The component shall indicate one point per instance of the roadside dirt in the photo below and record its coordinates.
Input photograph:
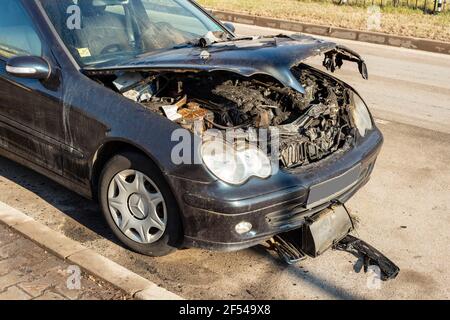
(397, 21)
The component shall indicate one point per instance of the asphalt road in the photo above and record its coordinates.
(404, 211)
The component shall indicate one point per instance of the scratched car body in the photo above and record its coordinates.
(92, 91)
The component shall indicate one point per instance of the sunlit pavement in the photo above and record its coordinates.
(28, 272)
(404, 210)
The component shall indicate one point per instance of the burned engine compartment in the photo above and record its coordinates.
(309, 126)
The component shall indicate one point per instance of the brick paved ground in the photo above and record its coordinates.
(29, 272)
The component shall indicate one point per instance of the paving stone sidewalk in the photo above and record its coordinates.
(29, 272)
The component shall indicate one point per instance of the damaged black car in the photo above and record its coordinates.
(92, 91)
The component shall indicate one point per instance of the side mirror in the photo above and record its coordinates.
(230, 26)
(30, 67)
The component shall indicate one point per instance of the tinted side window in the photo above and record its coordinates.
(17, 33)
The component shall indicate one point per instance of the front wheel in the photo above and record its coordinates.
(138, 205)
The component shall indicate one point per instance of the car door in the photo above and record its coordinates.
(31, 125)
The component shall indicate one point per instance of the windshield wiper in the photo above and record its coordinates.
(206, 40)
(211, 38)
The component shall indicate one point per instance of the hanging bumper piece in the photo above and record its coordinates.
(330, 229)
(370, 256)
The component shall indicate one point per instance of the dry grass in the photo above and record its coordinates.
(398, 21)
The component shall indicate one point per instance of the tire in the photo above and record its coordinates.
(124, 208)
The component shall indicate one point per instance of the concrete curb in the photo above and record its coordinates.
(88, 260)
(342, 33)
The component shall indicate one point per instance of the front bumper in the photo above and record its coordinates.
(211, 211)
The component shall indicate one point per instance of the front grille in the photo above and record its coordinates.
(298, 153)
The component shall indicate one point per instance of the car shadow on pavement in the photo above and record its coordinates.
(306, 277)
(81, 210)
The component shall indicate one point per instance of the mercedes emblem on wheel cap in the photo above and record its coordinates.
(137, 206)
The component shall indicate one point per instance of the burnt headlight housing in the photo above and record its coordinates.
(360, 115)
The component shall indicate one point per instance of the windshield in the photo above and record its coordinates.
(110, 31)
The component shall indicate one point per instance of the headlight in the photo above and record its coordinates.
(360, 115)
(235, 166)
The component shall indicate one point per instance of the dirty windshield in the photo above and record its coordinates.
(110, 31)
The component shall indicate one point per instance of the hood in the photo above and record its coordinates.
(273, 56)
